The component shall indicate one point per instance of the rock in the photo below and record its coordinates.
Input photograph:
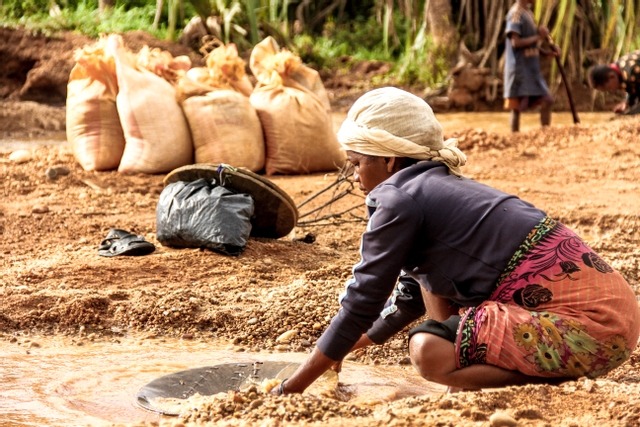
(55, 172)
(40, 209)
(286, 336)
(502, 419)
(20, 156)
(405, 361)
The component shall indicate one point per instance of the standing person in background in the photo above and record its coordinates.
(624, 74)
(524, 85)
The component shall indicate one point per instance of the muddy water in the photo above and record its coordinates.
(57, 382)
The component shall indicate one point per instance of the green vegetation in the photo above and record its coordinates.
(339, 43)
(420, 39)
(83, 17)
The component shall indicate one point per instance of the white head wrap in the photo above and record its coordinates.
(390, 122)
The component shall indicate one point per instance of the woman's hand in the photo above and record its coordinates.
(279, 389)
(312, 368)
(315, 365)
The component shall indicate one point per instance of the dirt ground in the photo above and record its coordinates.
(54, 282)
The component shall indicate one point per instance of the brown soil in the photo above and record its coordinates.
(54, 282)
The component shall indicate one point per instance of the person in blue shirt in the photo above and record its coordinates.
(510, 295)
(524, 84)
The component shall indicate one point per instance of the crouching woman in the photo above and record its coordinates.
(512, 296)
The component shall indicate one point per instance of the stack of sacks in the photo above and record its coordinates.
(294, 111)
(122, 111)
(151, 113)
(225, 127)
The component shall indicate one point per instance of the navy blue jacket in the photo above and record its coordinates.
(452, 235)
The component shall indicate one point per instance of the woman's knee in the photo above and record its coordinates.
(431, 355)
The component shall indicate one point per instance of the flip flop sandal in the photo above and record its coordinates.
(121, 242)
(114, 234)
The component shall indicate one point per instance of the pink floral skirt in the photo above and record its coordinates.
(559, 310)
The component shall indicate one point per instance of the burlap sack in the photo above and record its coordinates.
(163, 63)
(92, 123)
(267, 57)
(156, 132)
(297, 124)
(224, 70)
(225, 129)
(228, 68)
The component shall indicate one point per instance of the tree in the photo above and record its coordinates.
(105, 5)
(439, 18)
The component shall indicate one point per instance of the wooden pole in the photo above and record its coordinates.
(572, 105)
(576, 119)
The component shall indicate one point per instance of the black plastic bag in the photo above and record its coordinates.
(202, 214)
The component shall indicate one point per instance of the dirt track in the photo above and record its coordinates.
(54, 282)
